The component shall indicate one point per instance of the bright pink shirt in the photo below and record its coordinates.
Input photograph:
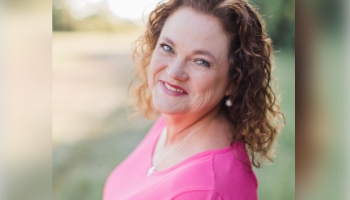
(214, 174)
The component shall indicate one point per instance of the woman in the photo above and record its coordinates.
(205, 68)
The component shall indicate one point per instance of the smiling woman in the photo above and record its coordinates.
(205, 67)
(187, 59)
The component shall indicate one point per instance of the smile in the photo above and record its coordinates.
(172, 88)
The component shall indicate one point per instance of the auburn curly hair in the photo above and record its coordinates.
(255, 112)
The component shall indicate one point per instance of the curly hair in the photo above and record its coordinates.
(255, 112)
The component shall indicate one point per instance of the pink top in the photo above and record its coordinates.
(214, 174)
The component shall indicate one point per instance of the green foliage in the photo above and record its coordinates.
(278, 14)
(63, 21)
(280, 19)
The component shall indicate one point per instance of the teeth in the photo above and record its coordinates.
(172, 89)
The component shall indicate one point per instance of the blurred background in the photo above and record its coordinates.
(25, 100)
(91, 72)
(63, 97)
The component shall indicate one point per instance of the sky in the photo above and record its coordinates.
(126, 9)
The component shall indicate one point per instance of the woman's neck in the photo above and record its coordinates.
(179, 126)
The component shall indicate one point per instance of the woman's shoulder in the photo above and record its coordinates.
(234, 159)
(220, 164)
(233, 172)
(222, 173)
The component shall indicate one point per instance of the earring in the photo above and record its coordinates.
(228, 103)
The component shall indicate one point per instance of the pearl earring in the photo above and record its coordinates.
(228, 103)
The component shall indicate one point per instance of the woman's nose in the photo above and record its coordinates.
(177, 70)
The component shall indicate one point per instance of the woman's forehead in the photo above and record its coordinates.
(189, 26)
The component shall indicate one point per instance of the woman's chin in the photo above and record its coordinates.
(169, 109)
(166, 105)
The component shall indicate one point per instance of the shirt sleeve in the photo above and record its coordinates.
(198, 194)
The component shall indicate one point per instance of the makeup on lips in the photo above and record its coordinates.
(172, 90)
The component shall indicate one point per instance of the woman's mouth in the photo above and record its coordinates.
(172, 89)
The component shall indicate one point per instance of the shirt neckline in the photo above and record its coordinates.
(207, 152)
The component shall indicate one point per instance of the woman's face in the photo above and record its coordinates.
(188, 72)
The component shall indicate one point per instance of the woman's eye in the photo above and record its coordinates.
(167, 48)
(203, 63)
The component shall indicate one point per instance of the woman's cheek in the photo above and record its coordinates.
(158, 65)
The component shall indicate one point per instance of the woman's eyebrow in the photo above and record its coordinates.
(204, 52)
(168, 40)
(199, 51)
